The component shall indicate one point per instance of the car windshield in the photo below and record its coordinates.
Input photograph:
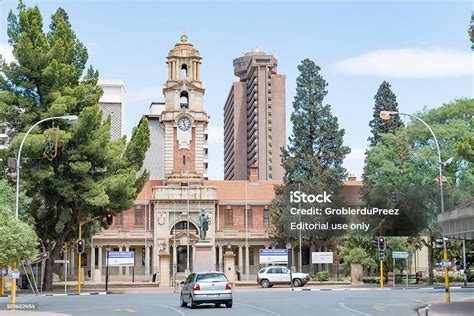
(211, 277)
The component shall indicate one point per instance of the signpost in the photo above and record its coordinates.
(322, 257)
(121, 258)
(273, 256)
(65, 272)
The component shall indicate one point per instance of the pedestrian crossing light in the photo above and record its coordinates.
(109, 219)
(80, 246)
(439, 243)
(381, 243)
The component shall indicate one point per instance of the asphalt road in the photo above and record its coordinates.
(259, 302)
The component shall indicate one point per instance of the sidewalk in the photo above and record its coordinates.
(453, 309)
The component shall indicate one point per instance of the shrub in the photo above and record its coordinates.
(323, 276)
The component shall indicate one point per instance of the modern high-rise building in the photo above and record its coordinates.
(4, 140)
(254, 119)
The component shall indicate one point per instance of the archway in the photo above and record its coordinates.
(184, 100)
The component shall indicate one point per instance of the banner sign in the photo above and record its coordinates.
(121, 258)
(400, 254)
(322, 257)
(273, 256)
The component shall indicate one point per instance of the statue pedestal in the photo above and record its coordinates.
(203, 257)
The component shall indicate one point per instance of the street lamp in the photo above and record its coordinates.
(385, 115)
(288, 247)
(68, 118)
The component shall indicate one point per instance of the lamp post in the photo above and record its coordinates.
(385, 115)
(69, 118)
(288, 247)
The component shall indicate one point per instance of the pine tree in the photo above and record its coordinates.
(315, 153)
(91, 175)
(385, 100)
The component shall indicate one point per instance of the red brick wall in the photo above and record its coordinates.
(188, 153)
(239, 217)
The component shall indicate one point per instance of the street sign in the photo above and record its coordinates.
(381, 255)
(61, 261)
(15, 275)
(445, 263)
(3, 272)
(322, 257)
(121, 258)
(400, 254)
(273, 256)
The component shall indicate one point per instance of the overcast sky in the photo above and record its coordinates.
(421, 47)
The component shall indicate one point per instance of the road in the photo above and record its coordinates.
(257, 302)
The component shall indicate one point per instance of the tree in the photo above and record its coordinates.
(19, 240)
(316, 152)
(401, 171)
(385, 100)
(90, 175)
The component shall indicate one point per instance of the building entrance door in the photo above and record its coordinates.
(182, 258)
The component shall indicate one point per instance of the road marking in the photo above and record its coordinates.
(353, 310)
(259, 308)
(172, 308)
(379, 308)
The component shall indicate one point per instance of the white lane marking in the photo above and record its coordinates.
(353, 310)
(170, 307)
(259, 308)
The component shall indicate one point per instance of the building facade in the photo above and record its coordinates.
(254, 119)
(112, 103)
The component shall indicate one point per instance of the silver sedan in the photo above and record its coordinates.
(206, 287)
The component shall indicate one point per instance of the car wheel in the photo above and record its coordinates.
(297, 283)
(192, 305)
(228, 305)
(183, 303)
(265, 283)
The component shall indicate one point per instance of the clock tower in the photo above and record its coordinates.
(184, 120)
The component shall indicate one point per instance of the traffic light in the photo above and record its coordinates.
(80, 245)
(381, 243)
(109, 219)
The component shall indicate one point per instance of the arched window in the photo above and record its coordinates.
(184, 71)
(184, 100)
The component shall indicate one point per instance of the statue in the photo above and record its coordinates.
(203, 224)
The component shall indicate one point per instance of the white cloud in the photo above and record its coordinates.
(216, 135)
(6, 51)
(409, 63)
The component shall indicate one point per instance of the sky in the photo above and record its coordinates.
(421, 47)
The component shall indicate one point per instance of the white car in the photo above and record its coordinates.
(269, 276)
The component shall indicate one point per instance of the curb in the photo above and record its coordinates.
(424, 311)
(383, 289)
(76, 294)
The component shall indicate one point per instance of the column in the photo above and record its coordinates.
(247, 260)
(214, 258)
(127, 272)
(191, 262)
(221, 255)
(72, 262)
(241, 259)
(175, 258)
(92, 261)
(147, 262)
(120, 268)
(99, 259)
(198, 71)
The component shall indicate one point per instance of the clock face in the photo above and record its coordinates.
(184, 124)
